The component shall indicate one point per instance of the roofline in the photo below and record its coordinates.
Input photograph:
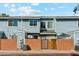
(37, 17)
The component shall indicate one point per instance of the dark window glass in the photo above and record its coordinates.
(33, 22)
(42, 24)
(12, 23)
(35, 37)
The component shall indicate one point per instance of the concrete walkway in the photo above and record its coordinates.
(40, 53)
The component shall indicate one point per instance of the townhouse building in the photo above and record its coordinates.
(38, 27)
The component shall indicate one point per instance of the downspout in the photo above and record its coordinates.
(54, 24)
(74, 39)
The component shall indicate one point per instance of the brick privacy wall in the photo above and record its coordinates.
(34, 44)
(65, 44)
(8, 44)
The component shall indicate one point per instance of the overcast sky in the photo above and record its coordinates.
(37, 9)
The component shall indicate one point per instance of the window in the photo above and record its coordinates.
(12, 23)
(35, 36)
(49, 24)
(32, 37)
(33, 22)
(43, 25)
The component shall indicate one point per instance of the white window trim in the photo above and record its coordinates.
(47, 25)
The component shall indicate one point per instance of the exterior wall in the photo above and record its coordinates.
(22, 25)
(8, 30)
(66, 26)
(25, 25)
(34, 29)
(46, 23)
(65, 44)
(8, 44)
(4, 27)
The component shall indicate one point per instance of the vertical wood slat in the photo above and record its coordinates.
(44, 44)
(53, 44)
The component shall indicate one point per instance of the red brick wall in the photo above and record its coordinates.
(65, 44)
(35, 44)
(8, 44)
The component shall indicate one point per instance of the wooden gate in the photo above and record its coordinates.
(44, 44)
(21, 39)
(53, 44)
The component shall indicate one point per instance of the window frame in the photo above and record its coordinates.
(12, 22)
(33, 22)
(49, 24)
(44, 24)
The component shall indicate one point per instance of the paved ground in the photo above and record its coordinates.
(40, 53)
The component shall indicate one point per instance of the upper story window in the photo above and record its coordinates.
(33, 22)
(43, 25)
(49, 24)
(12, 23)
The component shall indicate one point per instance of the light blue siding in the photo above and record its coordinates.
(60, 26)
(32, 29)
(66, 26)
(4, 27)
(22, 25)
